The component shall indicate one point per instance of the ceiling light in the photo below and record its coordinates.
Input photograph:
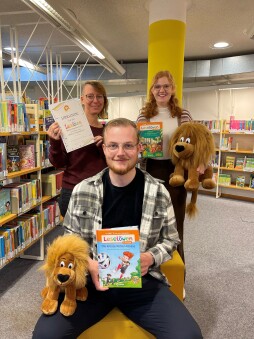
(24, 63)
(29, 65)
(71, 28)
(221, 45)
(10, 49)
(49, 11)
(92, 49)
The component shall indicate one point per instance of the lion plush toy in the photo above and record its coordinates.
(191, 147)
(65, 268)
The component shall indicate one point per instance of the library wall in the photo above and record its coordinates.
(204, 104)
(220, 104)
(127, 107)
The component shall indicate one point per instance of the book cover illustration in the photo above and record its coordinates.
(119, 258)
(252, 180)
(5, 203)
(240, 181)
(3, 160)
(27, 156)
(48, 119)
(240, 162)
(13, 158)
(230, 162)
(150, 134)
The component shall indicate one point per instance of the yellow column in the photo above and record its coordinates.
(167, 22)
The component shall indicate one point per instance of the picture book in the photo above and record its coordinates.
(48, 119)
(240, 181)
(239, 163)
(13, 158)
(251, 180)
(224, 143)
(3, 160)
(224, 179)
(27, 156)
(230, 162)
(150, 134)
(119, 257)
(5, 203)
(249, 165)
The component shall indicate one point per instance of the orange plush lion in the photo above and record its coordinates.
(192, 147)
(65, 268)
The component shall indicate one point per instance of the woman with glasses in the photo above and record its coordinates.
(88, 160)
(162, 105)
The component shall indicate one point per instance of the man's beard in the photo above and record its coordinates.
(122, 171)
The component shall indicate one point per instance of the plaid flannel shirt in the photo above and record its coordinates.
(158, 234)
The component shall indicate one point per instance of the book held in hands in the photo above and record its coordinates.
(118, 253)
(75, 129)
(150, 135)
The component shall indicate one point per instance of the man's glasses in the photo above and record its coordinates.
(91, 97)
(165, 87)
(126, 147)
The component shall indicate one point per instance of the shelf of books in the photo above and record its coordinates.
(234, 159)
(28, 208)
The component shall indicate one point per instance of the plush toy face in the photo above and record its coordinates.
(193, 142)
(64, 273)
(184, 148)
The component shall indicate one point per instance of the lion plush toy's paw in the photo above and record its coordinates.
(44, 292)
(68, 307)
(191, 184)
(208, 183)
(81, 294)
(176, 180)
(49, 306)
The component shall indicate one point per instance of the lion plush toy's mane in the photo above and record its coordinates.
(197, 133)
(69, 243)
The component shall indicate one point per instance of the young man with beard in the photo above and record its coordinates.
(122, 195)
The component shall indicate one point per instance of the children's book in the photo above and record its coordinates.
(249, 165)
(3, 160)
(119, 257)
(240, 181)
(5, 203)
(150, 134)
(48, 119)
(252, 180)
(230, 162)
(13, 158)
(27, 156)
(239, 163)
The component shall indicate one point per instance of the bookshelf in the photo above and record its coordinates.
(234, 161)
(35, 214)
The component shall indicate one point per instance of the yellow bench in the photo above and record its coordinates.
(116, 325)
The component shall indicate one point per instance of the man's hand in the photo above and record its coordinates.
(146, 260)
(94, 272)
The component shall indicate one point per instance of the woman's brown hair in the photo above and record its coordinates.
(150, 109)
(100, 89)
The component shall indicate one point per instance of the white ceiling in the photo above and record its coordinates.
(121, 26)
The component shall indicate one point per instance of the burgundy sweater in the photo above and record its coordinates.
(79, 164)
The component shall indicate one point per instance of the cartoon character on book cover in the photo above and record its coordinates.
(126, 273)
(119, 257)
(125, 263)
